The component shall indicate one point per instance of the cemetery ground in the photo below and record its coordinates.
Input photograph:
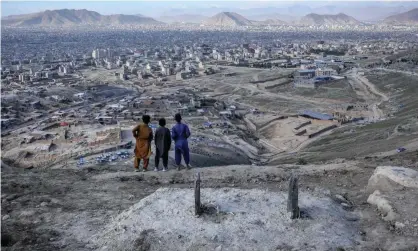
(109, 208)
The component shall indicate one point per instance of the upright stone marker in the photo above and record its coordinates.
(292, 199)
(197, 205)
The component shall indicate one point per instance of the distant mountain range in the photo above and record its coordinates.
(183, 18)
(234, 19)
(227, 19)
(274, 16)
(339, 19)
(66, 17)
(360, 10)
(270, 21)
(409, 17)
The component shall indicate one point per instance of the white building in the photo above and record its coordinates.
(109, 53)
(116, 107)
(79, 95)
(201, 66)
(110, 66)
(67, 69)
(325, 72)
(148, 67)
(99, 53)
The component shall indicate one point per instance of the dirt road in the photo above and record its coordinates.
(371, 92)
(371, 86)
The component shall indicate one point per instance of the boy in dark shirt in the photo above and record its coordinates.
(162, 144)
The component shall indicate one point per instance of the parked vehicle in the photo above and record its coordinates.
(401, 149)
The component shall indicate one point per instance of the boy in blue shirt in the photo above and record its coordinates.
(180, 133)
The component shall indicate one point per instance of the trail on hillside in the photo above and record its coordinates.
(370, 92)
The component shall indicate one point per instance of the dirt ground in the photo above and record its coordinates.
(64, 209)
(233, 219)
(281, 133)
(74, 208)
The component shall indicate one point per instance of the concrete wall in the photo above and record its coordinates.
(268, 122)
(276, 85)
(302, 125)
(300, 133)
(322, 131)
(323, 122)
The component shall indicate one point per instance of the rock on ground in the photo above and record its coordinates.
(394, 191)
(384, 206)
(389, 178)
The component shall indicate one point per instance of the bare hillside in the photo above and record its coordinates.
(67, 17)
(270, 21)
(339, 19)
(228, 19)
(186, 18)
(409, 17)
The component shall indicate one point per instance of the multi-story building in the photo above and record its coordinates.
(110, 65)
(99, 53)
(324, 72)
(109, 53)
(67, 69)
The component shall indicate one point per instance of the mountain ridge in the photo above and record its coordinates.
(327, 19)
(235, 19)
(409, 17)
(183, 18)
(270, 21)
(72, 17)
(227, 19)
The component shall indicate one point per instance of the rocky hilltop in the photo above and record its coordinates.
(72, 17)
(228, 19)
(409, 17)
(339, 19)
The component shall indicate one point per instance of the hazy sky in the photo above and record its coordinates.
(154, 8)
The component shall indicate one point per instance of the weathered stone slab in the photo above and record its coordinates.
(391, 178)
(293, 197)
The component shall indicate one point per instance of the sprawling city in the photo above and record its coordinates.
(303, 121)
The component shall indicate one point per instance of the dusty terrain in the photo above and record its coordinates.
(110, 207)
(72, 209)
(391, 123)
(237, 219)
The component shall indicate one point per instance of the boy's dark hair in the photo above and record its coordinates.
(162, 122)
(177, 117)
(146, 119)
